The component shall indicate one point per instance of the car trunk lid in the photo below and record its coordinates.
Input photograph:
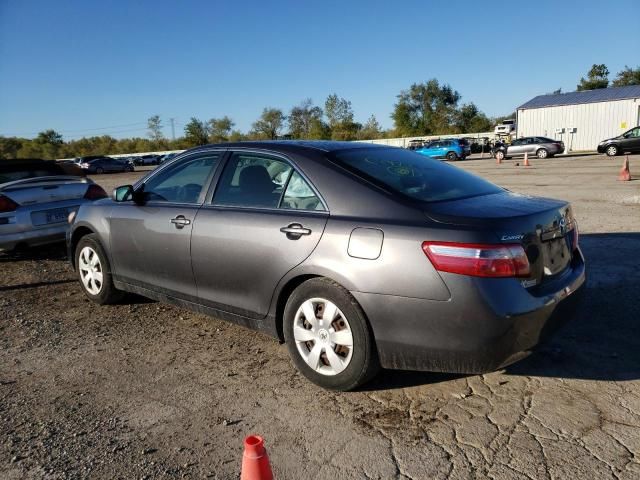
(37, 190)
(543, 226)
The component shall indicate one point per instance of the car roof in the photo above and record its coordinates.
(295, 145)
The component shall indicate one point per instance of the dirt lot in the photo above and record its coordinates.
(144, 390)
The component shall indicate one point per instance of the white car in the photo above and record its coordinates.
(507, 127)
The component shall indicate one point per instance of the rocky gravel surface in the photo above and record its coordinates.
(145, 390)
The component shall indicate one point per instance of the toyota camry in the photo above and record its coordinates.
(356, 256)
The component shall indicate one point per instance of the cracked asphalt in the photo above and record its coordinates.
(145, 390)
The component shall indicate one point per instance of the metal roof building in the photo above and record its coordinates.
(581, 119)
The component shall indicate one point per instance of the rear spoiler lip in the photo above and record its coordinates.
(25, 182)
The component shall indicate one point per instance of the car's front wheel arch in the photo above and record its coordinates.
(76, 236)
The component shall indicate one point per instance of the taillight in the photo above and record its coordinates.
(7, 205)
(478, 260)
(95, 192)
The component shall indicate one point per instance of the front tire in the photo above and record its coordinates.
(94, 271)
(542, 153)
(452, 156)
(99, 171)
(612, 150)
(328, 336)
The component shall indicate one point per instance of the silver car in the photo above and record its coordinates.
(36, 198)
(356, 256)
(540, 147)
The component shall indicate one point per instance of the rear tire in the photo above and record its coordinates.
(499, 155)
(321, 319)
(542, 153)
(612, 150)
(94, 271)
(452, 156)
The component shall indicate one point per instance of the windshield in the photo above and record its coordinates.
(413, 175)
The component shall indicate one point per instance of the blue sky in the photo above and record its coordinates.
(81, 66)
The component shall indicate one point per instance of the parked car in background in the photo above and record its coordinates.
(355, 255)
(106, 165)
(452, 149)
(415, 144)
(167, 157)
(507, 127)
(629, 141)
(36, 198)
(541, 147)
(147, 160)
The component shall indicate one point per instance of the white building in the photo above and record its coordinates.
(581, 119)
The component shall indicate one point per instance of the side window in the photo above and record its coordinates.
(182, 183)
(252, 180)
(299, 195)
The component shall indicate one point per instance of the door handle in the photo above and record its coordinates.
(295, 231)
(180, 221)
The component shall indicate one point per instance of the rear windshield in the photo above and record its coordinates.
(413, 175)
(13, 171)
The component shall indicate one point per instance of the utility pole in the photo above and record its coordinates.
(173, 129)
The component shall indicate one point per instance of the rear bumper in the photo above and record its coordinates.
(32, 238)
(486, 325)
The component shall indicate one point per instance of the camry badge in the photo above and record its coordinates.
(507, 238)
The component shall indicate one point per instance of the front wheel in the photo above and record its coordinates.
(328, 336)
(452, 156)
(94, 271)
(542, 153)
(99, 171)
(612, 150)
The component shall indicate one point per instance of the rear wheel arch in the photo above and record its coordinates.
(283, 296)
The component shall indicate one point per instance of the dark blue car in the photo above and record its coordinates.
(452, 149)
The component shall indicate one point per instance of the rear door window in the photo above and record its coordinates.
(412, 175)
(262, 181)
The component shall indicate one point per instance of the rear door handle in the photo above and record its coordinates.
(295, 231)
(180, 221)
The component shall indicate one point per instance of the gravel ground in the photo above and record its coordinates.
(145, 390)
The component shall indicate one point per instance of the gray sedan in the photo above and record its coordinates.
(36, 197)
(540, 147)
(356, 256)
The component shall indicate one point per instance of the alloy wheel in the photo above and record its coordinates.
(323, 336)
(90, 270)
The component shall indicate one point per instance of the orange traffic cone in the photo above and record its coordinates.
(625, 174)
(255, 461)
(526, 160)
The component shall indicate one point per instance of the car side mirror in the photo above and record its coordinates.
(123, 193)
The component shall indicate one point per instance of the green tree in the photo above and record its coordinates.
(196, 133)
(305, 120)
(47, 144)
(470, 119)
(9, 147)
(154, 125)
(425, 109)
(237, 136)
(220, 129)
(371, 130)
(628, 76)
(340, 118)
(269, 125)
(597, 77)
